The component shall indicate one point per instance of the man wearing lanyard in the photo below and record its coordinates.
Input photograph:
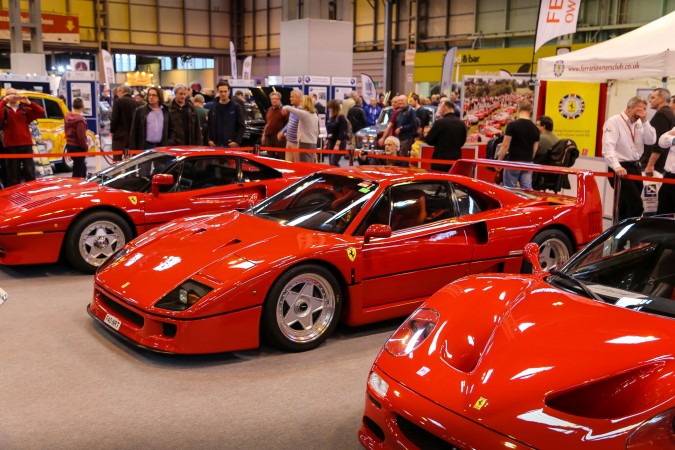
(623, 139)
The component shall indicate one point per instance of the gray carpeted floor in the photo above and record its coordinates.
(65, 383)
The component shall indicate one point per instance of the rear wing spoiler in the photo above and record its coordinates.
(587, 193)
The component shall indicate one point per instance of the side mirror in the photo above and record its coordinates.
(531, 253)
(161, 179)
(377, 230)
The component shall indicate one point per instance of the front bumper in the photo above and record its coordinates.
(406, 420)
(232, 331)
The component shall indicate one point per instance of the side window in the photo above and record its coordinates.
(468, 201)
(411, 205)
(253, 171)
(202, 173)
(53, 110)
(40, 102)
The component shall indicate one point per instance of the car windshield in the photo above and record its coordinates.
(135, 174)
(321, 202)
(630, 265)
(384, 115)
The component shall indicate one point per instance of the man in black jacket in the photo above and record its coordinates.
(225, 120)
(151, 125)
(184, 118)
(663, 121)
(447, 135)
(120, 120)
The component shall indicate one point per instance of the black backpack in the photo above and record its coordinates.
(563, 153)
(491, 147)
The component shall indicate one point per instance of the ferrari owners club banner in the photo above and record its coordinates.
(573, 106)
(556, 18)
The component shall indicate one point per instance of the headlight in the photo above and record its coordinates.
(412, 333)
(656, 433)
(113, 258)
(184, 296)
(378, 385)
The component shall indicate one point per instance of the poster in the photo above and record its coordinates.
(84, 91)
(573, 106)
(342, 93)
(490, 103)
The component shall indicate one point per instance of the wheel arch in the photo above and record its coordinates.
(102, 208)
(563, 229)
(317, 262)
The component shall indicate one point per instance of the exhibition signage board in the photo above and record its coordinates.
(642, 53)
(574, 106)
(55, 27)
(318, 85)
(293, 81)
(341, 87)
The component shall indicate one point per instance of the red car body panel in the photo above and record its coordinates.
(471, 360)
(36, 215)
(241, 256)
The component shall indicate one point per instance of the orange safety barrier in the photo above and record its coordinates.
(352, 154)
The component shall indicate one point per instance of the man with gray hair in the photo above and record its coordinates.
(623, 141)
(663, 121)
(120, 120)
(185, 119)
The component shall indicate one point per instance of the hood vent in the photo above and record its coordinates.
(17, 198)
(44, 201)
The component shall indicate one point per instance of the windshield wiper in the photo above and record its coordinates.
(577, 283)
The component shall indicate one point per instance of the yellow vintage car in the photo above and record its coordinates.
(52, 128)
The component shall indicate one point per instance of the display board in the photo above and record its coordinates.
(574, 106)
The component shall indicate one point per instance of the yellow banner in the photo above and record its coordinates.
(573, 106)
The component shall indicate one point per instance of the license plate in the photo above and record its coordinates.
(113, 321)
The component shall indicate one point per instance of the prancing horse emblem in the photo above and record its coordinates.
(351, 252)
(133, 199)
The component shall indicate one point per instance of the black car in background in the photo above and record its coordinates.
(255, 111)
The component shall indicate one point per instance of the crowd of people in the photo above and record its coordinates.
(632, 143)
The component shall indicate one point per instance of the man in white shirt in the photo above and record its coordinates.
(667, 191)
(623, 141)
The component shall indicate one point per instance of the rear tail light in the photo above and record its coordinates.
(413, 332)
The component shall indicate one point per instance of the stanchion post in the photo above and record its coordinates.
(615, 206)
(256, 149)
(351, 156)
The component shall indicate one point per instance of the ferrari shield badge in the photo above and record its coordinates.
(480, 403)
(133, 199)
(351, 253)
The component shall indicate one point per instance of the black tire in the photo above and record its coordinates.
(282, 323)
(555, 248)
(110, 233)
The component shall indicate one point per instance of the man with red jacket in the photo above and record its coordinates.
(76, 137)
(16, 113)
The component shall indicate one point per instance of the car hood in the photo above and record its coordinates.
(225, 251)
(517, 355)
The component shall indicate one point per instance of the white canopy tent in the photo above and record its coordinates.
(646, 52)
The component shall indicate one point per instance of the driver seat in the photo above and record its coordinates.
(409, 209)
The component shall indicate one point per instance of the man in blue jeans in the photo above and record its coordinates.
(520, 144)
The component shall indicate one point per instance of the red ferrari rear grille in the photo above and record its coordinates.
(595, 221)
(42, 202)
(17, 198)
